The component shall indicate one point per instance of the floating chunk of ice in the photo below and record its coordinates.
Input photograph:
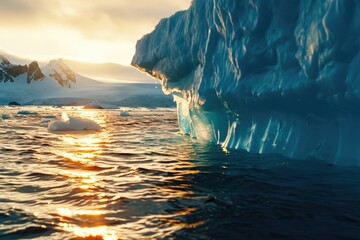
(49, 116)
(5, 116)
(66, 123)
(125, 114)
(97, 105)
(25, 112)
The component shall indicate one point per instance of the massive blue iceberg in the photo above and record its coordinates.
(267, 76)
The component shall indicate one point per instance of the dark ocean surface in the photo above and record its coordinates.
(139, 178)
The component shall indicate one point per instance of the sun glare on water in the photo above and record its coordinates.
(85, 232)
(83, 149)
(112, 183)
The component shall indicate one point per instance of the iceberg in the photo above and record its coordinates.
(68, 123)
(264, 76)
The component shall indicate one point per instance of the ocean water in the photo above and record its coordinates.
(139, 178)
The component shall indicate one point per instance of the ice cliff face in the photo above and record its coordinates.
(264, 76)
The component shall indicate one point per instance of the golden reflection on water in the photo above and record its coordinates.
(81, 148)
(66, 212)
(85, 150)
(93, 115)
(86, 232)
(84, 180)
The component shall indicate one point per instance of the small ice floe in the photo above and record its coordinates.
(124, 114)
(57, 106)
(25, 112)
(49, 116)
(14, 104)
(5, 116)
(97, 105)
(66, 123)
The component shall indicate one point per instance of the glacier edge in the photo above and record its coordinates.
(263, 76)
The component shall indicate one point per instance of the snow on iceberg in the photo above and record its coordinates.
(67, 123)
(264, 76)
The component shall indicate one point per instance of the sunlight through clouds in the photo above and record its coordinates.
(91, 31)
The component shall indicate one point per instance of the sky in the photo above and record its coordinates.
(82, 30)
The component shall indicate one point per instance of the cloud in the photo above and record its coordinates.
(14, 12)
(19, 6)
(110, 19)
(96, 30)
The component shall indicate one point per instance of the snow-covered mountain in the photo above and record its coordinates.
(54, 70)
(266, 76)
(56, 84)
(9, 71)
(58, 70)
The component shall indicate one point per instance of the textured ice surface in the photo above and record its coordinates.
(264, 76)
(68, 123)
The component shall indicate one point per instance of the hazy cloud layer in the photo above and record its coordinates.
(95, 18)
(95, 22)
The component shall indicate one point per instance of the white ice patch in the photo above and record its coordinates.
(68, 123)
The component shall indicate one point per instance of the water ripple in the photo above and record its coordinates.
(140, 179)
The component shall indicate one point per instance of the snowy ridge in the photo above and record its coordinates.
(57, 84)
(58, 70)
(264, 76)
(9, 71)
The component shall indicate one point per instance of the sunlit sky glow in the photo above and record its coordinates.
(90, 31)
